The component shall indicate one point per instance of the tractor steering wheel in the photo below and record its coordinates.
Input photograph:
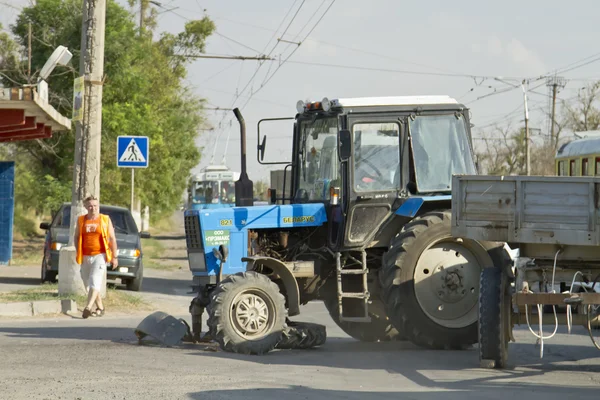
(378, 173)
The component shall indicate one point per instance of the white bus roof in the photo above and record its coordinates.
(588, 144)
(211, 168)
(392, 101)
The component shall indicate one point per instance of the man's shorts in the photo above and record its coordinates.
(96, 267)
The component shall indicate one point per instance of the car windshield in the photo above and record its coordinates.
(440, 149)
(122, 219)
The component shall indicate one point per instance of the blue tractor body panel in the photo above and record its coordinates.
(412, 205)
(210, 206)
(229, 227)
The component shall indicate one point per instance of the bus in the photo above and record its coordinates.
(214, 187)
(579, 157)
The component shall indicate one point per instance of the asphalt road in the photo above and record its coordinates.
(100, 358)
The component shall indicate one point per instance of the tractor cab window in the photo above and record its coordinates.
(319, 164)
(440, 148)
(376, 156)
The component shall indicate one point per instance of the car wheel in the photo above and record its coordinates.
(135, 284)
(48, 276)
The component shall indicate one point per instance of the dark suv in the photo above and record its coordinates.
(131, 268)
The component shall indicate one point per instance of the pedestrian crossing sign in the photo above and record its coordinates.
(132, 151)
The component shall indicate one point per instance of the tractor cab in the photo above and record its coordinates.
(364, 158)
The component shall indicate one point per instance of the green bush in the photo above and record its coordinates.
(23, 225)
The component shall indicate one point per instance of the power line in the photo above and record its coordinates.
(18, 8)
(401, 71)
(562, 69)
(270, 52)
(226, 57)
(292, 53)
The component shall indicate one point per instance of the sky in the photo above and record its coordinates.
(470, 50)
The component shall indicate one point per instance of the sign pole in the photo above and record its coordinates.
(132, 180)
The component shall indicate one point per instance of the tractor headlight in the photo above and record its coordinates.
(56, 246)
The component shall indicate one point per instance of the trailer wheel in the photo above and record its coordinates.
(247, 314)
(303, 335)
(494, 318)
(430, 283)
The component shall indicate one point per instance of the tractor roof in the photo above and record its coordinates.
(392, 101)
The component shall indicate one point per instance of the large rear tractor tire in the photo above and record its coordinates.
(430, 283)
(378, 330)
(494, 318)
(247, 314)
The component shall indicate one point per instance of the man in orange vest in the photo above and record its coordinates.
(96, 246)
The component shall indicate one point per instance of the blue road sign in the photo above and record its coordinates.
(132, 151)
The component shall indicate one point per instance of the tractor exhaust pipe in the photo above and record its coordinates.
(244, 195)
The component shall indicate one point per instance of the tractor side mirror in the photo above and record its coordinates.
(261, 148)
(344, 143)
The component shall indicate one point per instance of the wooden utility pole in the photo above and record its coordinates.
(29, 53)
(86, 166)
(554, 82)
(143, 8)
(527, 143)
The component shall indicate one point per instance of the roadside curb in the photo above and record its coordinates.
(35, 308)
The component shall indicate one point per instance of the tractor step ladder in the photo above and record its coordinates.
(364, 294)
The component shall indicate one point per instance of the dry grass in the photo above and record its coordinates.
(28, 252)
(152, 248)
(116, 300)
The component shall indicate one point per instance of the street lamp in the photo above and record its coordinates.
(60, 56)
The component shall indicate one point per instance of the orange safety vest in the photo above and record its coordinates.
(103, 231)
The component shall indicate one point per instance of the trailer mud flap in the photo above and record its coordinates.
(163, 327)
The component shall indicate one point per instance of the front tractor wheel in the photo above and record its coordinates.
(430, 283)
(247, 314)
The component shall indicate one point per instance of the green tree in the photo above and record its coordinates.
(260, 190)
(144, 94)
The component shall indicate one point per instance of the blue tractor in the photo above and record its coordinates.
(365, 229)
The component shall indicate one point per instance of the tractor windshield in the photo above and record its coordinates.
(319, 165)
(440, 149)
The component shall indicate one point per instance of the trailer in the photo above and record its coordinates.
(554, 223)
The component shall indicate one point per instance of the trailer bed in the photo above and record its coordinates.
(560, 210)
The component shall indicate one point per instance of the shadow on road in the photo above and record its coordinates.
(114, 334)
(174, 237)
(167, 286)
(346, 353)
(478, 390)
(433, 370)
(20, 280)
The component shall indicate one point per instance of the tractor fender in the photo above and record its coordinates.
(411, 206)
(288, 279)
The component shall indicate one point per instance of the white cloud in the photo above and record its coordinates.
(494, 46)
(512, 52)
(521, 55)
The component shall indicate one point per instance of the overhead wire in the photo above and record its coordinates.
(239, 93)
(291, 54)
(270, 52)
